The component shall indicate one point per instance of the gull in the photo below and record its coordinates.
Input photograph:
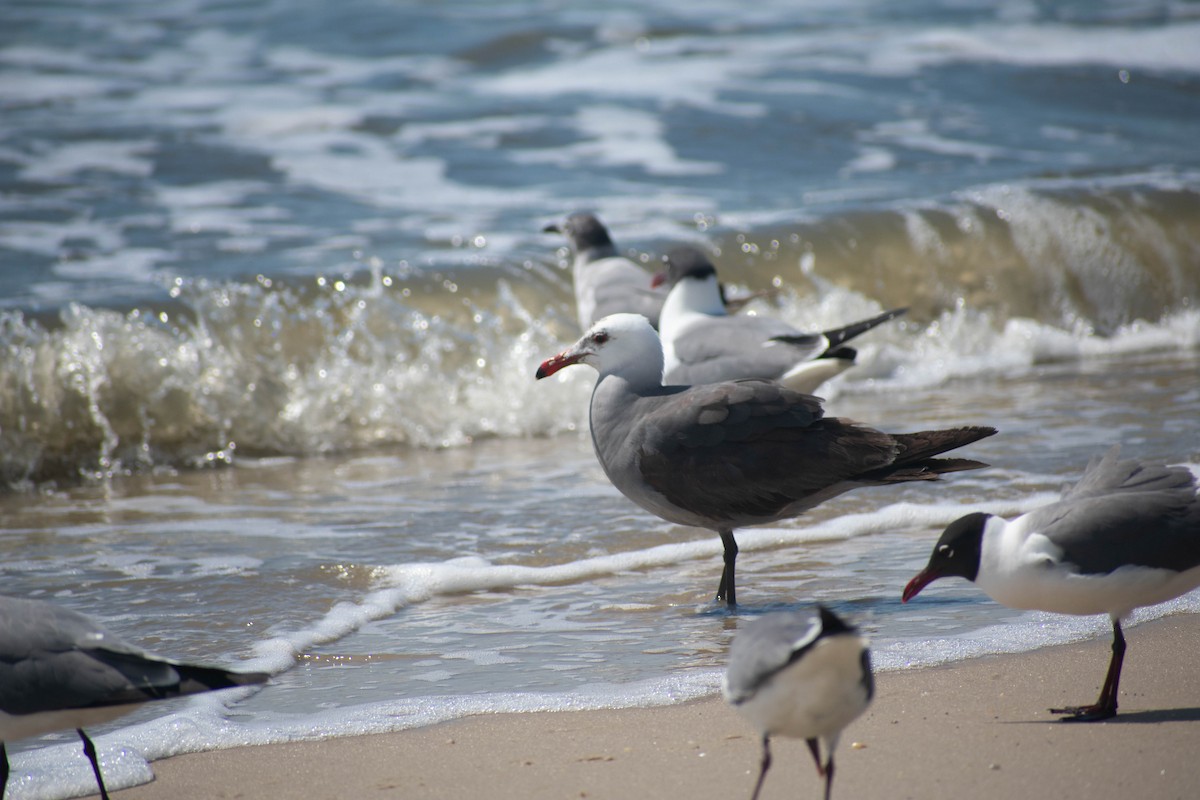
(702, 343)
(725, 455)
(805, 675)
(60, 670)
(1126, 535)
(605, 281)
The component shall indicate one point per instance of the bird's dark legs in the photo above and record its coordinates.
(815, 749)
(90, 750)
(1106, 705)
(766, 765)
(3, 769)
(727, 591)
(826, 770)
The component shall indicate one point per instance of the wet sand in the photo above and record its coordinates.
(976, 729)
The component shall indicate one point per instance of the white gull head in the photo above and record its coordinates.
(624, 345)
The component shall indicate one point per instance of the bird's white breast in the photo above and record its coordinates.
(816, 696)
(1024, 569)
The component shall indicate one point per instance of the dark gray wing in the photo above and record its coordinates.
(748, 449)
(52, 658)
(1111, 475)
(1125, 512)
(733, 348)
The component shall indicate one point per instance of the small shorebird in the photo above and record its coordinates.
(703, 343)
(805, 675)
(725, 455)
(1126, 535)
(59, 670)
(605, 281)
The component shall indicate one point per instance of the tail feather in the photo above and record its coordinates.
(842, 353)
(916, 461)
(928, 470)
(839, 336)
(194, 679)
(918, 446)
(151, 678)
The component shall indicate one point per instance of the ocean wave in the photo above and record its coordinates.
(998, 280)
(266, 369)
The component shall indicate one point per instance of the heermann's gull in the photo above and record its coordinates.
(605, 281)
(1127, 535)
(704, 344)
(802, 675)
(60, 670)
(725, 455)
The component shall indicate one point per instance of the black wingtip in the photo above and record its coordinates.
(839, 336)
(195, 679)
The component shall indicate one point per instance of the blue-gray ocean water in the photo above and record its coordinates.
(273, 289)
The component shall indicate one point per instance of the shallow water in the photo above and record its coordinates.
(272, 292)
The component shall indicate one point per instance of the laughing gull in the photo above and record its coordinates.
(725, 455)
(1127, 535)
(60, 670)
(605, 281)
(803, 675)
(704, 344)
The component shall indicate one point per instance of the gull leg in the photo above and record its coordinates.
(815, 748)
(90, 750)
(1106, 705)
(766, 765)
(727, 591)
(829, 777)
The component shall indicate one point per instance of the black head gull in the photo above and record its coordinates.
(1126, 535)
(59, 670)
(804, 675)
(605, 281)
(725, 455)
(702, 343)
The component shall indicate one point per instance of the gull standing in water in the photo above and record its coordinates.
(725, 455)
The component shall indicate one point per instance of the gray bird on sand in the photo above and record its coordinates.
(1126, 535)
(59, 670)
(703, 343)
(725, 455)
(605, 281)
(804, 675)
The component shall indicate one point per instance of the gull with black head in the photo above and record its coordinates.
(1126, 535)
(703, 343)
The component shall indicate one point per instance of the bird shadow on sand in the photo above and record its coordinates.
(1155, 716)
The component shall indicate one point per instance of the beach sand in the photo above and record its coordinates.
(978, 729)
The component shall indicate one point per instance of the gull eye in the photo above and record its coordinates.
(600, 337)
(946, 550)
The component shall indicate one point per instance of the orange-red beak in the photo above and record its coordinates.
(554, 364)
(919, 582)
